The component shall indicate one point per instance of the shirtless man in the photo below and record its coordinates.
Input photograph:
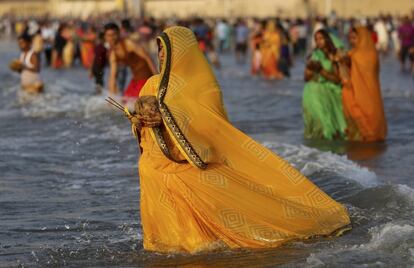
(28, 66)
(124, 51)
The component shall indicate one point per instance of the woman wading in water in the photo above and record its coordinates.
(206, 185)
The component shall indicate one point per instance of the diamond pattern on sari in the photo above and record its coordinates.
(180, 43)
(232, 219)
(292, 173)
(266, 233)
(317, 198)
(253, 147)
(181, 118)
(167, 200)
(213, 178)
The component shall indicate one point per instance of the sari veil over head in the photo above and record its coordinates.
(188, 96)
(206, 184)
(362, 99)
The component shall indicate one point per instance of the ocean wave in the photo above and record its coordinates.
(406, 192)
(310, 161)
(391, 237)
(390, 243)
(61, 98)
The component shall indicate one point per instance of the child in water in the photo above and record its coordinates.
(28, 66)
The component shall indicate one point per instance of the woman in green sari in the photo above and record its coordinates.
(322, 101)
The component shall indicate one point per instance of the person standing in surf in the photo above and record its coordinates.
(361, 94)
(206, 185)
(125, 51)
(323, 115)
(99, 63)
(28, 66)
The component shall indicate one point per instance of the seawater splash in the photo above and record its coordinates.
(390, 244)
(310, 161)
(58, 102)
(406, 192)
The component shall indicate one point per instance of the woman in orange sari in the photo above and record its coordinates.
(205, 184)
(87, 46)
(361, 94)
(270, 49)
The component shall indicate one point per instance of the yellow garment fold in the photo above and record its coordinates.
(243, 195)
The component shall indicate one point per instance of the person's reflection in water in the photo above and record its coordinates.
(355, 151)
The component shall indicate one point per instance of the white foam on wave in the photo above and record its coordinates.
(310, 160)
(120, 133)
(94, 106)
(49, 104)
(6, 91)
(406, 192)
(390, 239)
(389, 236)
(58, 99)
(8, 103)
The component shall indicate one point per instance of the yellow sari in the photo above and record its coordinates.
(361, 95)
(204, 184)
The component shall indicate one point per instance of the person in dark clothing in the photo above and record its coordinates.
(99, 63)
(59, 45)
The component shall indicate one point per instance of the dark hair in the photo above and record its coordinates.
(328, 41)
(158, 44)
(126, 24)
(101, 36)
(25, 37)
(111, 26)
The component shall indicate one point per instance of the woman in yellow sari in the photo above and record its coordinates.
(206, 185)
(270, 48)
(361, 94)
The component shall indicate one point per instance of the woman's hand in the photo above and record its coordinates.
(16, 65)
(314, 66)
(345, 60)
(154, 120)
(133, 118)
(135, 121)
(147, 112)
(308, 75)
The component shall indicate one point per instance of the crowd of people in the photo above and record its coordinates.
(270, 46)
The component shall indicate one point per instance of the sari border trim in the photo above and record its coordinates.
(163, 145)
(169, 120)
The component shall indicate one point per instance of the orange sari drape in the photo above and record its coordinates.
(87, 49)
(361, 95)
(270, 49)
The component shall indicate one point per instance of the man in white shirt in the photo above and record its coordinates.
(381, 29)
(221, 32)
(48, 34)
